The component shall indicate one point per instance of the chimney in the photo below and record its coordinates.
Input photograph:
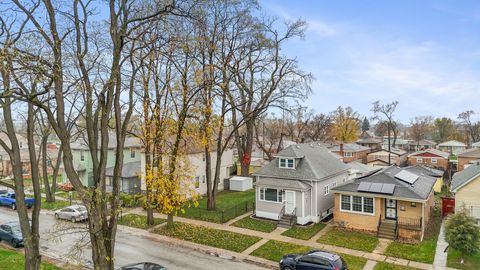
(341, 149)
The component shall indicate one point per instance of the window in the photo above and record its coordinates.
(326, 190)
(357, 204)
(132, 152)
(334, 184)
(347, 154)
(288, 163)
(419, 160)
(82, 156)
(271, 194)
(197, 182)
(413, 204)
(434, 161)
(346, 202)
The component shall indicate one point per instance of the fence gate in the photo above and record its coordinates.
(448, 206)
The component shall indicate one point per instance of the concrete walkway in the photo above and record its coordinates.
(310, 243)
(370, 265)
(440, 254)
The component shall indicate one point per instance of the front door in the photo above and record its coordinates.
(289, 202)
(390, 209)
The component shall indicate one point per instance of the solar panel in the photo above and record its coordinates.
(407, 176)
(376, 188)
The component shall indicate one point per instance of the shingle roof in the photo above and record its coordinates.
(420, 190)
(431, 151)
(313, 162)
(419, 169)
(421, 142)
(371, 140)
(350, 147)
(276, 182)
(129, 170)
(452, 143)
(463, 177)
(472, 153)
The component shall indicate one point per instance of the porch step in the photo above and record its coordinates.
(287, 221)
(387, 230)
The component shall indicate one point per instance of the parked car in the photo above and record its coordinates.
(313, 260)
(65, 187)
(73, 213)
(11, 233)
(9, 200)
(142, 266)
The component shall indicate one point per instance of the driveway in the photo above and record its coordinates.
(129, 248)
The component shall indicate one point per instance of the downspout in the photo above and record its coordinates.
(423, 221)
(312, 198)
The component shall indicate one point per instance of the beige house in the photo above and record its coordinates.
(466, 187)
(393, 203)
(380, 158)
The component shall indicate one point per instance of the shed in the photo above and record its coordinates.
(241, 183)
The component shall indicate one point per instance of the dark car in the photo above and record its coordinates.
(143, 266)
(11, 233)
(313, 260)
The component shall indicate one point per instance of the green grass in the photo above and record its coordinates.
(390, 266)
(54, 205)
(349, 239)
(275, 250)
(304, 232)
(470, 262)
(138, 221)
(231, 203)
(256, 224)
(12, 260)
(420, 252)
(210, 237)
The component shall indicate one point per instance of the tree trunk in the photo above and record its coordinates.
(150, 220)
(170, 221)
(48, 193)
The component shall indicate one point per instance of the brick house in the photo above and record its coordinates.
(380, 158)
(432, 158)
(467, 157)
(351, 152)
(393, 203)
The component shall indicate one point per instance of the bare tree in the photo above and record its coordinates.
(420, 127)
(472, 127)
(385, 112)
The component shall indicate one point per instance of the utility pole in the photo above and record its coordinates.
(389, 146)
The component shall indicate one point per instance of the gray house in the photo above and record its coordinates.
(297, 183)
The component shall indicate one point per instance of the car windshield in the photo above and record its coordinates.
(16, 229)
(80, 208)
(339, 263)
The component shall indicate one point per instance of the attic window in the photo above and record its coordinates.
(348, 154)
(288, 163)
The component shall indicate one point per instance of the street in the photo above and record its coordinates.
(128, 249)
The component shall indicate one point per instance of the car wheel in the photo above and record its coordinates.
(14, 206)
(56, 216)
(14, 243)
(73, 220)
(287, 268)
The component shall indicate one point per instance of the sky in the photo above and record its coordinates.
(425, 54)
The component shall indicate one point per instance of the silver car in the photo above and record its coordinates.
(73, 213)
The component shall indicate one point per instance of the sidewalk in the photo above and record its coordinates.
(375, 257)
(440, 261)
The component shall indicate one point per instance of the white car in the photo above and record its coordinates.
(73, 213)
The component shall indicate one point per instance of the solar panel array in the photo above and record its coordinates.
(376, 188)
(407, 176)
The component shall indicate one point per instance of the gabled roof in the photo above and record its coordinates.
(419, 190)
(360, 167)
(431, 151)
(393, 151)
(464, 177)
(470, 153)
(452, 143)
(350, 147)
(312, 162)
(421, 142)
(129, 170)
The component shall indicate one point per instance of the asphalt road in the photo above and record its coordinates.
(129, 248)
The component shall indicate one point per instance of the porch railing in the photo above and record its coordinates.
(282, 212)
(410, 222)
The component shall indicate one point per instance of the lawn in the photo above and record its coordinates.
(12, 260)
(256, 224)
(138, 221)
(275, 250)
(230, 204)
(390, 266)
(470, 262)
(210, 237)
(350, 239)
(54, 205)
(420, 252)
(304, 232)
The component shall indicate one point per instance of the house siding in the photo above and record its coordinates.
(442, 163)
(326, 202)
(266, 209)
(467, 197)
(462, 161)
(356, 156)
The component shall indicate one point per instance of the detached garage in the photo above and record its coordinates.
(241, 183)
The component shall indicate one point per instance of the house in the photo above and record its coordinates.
(430, 157)
(438, 174)
(466, 185)
(400, 143)
(420, 145)
(256, 164)
(380, 158)
(297, 183)
(129, 177)
(452, 147)
(467, 157)
(358, 169)
(393, 203)
(368, 139)
(351, 152)
(82, 159)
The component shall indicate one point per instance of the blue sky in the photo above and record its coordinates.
(425, 54)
